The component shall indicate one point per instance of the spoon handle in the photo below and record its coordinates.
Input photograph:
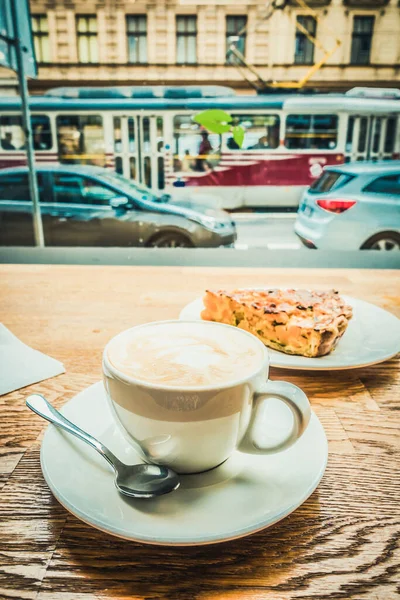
(44, 409)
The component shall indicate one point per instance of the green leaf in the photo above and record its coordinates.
(238, 134)
(215, 120)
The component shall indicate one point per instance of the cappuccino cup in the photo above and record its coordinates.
(187, 394)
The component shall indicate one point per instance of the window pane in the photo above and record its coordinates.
(261, 132)
(81, 139)
(160, 134)
(195, 149)
(362, 136)
(132, 168)
(233, 26)
(82, 24)
(304, 48)
(131, 134)
(83, 49)
(45, 50)
(41, 132)
(311, 132)
(180, 50)
(385, 185)
(146, 133)
(349, 136)
(142, 49)
(94, 58)
(390, 134)
(117, 135)
(118, 165)
(377, 134)
(92, 24)
(191, 50)
(74, 189)
(161, 178)
(147, 171)
(329, 181)
(12, 136)
(15, 187)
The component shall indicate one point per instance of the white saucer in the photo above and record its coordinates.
(372, 336)
(245, 494)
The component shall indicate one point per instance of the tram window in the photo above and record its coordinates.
(41, 132)
(390, 134)
(160, 134)
(194, 148)
(377, 135)
(146, 134)
(118, 165)
(362, 136)
(12, 135)
(311, 132)
(349, 136)
(132, 168)
(81, 139)
(131, 134)
(147, 171)
(117, 135)
(161, 178)
(261, 132)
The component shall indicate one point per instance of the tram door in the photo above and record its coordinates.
(139, 149)
(370, 138)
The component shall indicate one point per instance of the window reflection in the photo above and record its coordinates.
(81, 139)
(194, 148)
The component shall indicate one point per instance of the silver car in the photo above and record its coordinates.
(352, 206)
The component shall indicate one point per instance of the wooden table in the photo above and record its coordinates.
(342, 543)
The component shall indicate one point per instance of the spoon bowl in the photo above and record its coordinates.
(137, 481)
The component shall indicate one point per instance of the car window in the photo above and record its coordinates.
(329, 181)
(385, 185)
(15, 187)
(69, 188)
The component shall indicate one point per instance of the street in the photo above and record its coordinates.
(266, 230)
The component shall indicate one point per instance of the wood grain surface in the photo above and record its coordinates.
(342, 543)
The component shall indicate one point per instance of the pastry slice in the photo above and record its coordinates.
(303, 322)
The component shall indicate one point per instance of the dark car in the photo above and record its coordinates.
(91, 206)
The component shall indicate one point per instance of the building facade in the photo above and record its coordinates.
(184, 42)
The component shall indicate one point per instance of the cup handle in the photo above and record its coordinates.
(298, 403)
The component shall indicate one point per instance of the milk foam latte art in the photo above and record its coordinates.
(184, 354)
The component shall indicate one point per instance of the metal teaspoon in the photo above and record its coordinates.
(139, 481)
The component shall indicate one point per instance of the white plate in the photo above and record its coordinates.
(245, 494)
(372, 336)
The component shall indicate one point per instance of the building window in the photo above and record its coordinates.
(361, 42)
(186, 40)
(304, 47)
(86, 28)
(40, 30)
(235, 34)
(136, 27)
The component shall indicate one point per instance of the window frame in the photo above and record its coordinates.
(186, 35)
(359, 36)
(88, 34)
(138, 34)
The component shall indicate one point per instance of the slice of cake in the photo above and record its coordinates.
(309, 323)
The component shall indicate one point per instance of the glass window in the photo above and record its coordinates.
(41, 132)
(147, 170)
(362, 135)
(329, 181)
(194, 148)
(349, 136)
(81, 139)
(186, 40)
(390, 136)
(136, 27)
(74, 189)
(86, 29)
(16, 187)
(40, 31)
(385, 185)
(132, 168)
(12, 135)
(146, 134)
(235, 34)
(361, 42)
(117, 134)
(261, 132)
(311, 132)
(160, 134)
(377, 134)
(306, 28)
(161, 177)
(118, 165)
(131, 134)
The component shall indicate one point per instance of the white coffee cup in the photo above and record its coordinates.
(195, 428)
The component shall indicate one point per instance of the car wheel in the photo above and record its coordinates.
(387, 240)
(170, 239)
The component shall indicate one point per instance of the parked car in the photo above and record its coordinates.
(352, 206)
(91, 206)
